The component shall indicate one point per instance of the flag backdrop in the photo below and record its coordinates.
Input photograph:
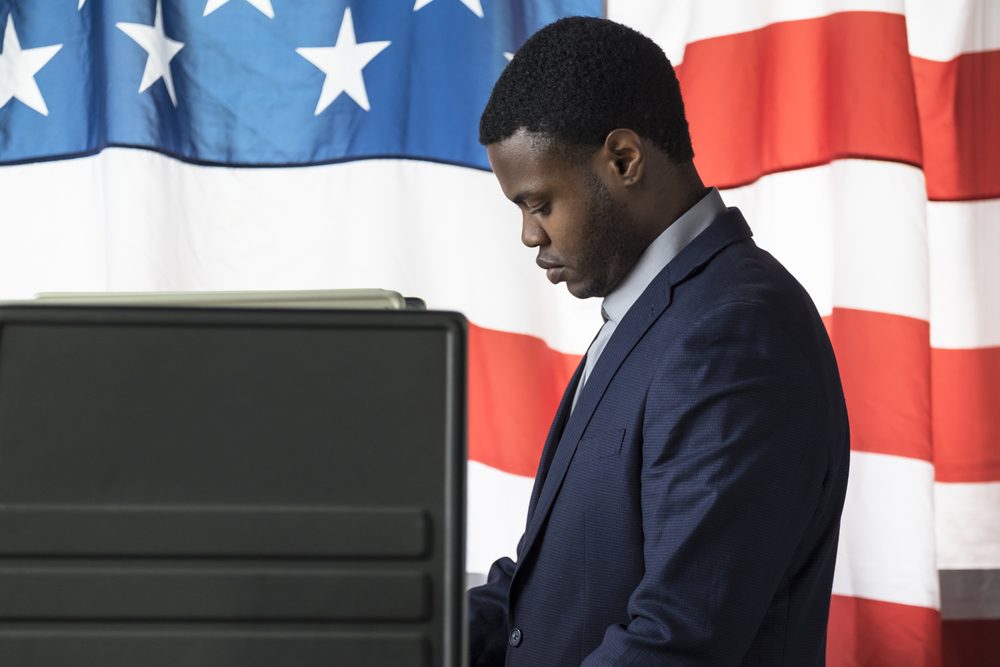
(279, 144)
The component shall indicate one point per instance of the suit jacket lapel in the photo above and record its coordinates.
(629, 331)
(726, 229)
(555, 433)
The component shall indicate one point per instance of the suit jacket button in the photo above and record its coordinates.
(515, 637)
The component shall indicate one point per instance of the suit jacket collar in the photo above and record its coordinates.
(561, 444)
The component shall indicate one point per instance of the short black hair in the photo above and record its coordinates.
(579, 78)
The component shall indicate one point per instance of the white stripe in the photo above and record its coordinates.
(137, 220)
(936, 29)
(968, 525)
(965, 273)
(886, 536)
(497, 510)
(675, 24)
(853, 232)
(886, 547)
(52, 230)
(943, 30)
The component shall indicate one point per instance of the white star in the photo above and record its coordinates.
(475, 6)
(160, 49)
(508, 55)
(263, 5)
(342, 63)
(18, 68)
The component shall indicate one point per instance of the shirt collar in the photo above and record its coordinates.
(658, 254)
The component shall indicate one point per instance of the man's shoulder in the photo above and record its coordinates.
(744, 299)
(742, 272)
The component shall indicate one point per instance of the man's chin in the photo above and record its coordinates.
(580, 289)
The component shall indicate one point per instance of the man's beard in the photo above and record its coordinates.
(611, 242)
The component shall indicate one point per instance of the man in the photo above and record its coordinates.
(688, 498)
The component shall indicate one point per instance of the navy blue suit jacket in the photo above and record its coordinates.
(687, 511)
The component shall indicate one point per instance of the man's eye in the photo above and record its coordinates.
(541, 210)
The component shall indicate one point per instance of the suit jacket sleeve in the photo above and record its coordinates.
(730, 479)
(488, 616)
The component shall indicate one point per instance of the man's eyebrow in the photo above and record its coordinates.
(520, 197)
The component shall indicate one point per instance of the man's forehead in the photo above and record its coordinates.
(521, 164)
(531, 163)
(525, 152)
(522, 146)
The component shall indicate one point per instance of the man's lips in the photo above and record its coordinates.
(553, 271)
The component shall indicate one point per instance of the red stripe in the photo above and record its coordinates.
(515, 383)
(958, 103)
(971, 643)
(800, 93)
(966, 394)
(869, 633)
(884, 365)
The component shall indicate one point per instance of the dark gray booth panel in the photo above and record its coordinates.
(252, 488)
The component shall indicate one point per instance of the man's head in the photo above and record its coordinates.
(585, 131)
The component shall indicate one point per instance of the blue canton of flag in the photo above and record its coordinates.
(257, 82)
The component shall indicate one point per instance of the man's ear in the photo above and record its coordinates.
(623, 150)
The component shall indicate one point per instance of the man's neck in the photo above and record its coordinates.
(677, 189)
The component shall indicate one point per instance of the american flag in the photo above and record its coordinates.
(273, 144)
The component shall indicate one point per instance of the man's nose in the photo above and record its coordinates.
(532, 234)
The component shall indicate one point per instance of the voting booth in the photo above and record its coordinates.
(231, 482)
